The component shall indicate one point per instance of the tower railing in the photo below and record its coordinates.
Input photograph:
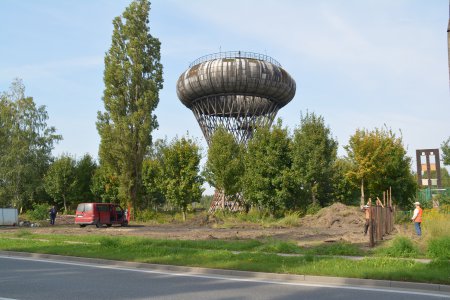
(235, 54)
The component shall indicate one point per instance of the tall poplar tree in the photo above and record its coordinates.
(133, 78)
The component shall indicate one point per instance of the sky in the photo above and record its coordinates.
(359, 64)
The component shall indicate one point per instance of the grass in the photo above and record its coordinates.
(249, 255)
(400, 247)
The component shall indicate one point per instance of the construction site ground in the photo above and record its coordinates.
(336, 223)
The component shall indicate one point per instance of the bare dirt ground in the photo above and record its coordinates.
(335, 223)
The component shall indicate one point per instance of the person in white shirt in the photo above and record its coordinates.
(417, 218)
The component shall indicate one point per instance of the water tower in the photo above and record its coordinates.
(237, 90)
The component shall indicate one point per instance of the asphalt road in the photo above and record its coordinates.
(26, 278)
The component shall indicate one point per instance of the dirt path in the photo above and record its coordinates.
(332, 224)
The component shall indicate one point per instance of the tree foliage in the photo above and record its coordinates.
(445, 147)
(181, 181)
(105, 186)
(314, 152)
(344, 190)
(380, 162)
(267, 179)
(133, 78)
(61, 181)
(26, 142)
(225, 166)
(152, 175)
(84, 171)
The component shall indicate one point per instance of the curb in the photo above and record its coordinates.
(332, 281)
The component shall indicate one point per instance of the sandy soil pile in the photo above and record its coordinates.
(335, 216)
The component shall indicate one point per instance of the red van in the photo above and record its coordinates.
(100, 213)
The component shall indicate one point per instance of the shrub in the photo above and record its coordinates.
(401, 247)
(439, 248)
(435, 224)
(340, 248)
(39, 212)
(313, 209)
(290, 219)
(145, 215)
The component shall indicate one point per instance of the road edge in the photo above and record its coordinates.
(334, 281)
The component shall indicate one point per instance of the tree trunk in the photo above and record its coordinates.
(362, 192)
(65, 206)
(184, 215)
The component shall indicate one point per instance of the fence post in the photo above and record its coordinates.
(371, 225)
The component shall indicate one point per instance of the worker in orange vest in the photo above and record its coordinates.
(366, 209)
(417, 218)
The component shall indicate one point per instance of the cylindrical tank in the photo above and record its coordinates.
(237, 90)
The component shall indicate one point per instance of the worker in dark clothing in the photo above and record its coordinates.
(53, 213)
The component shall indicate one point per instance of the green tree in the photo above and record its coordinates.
(84, 171)
(180, 173)
(133, 78)
(267, 181)
(105, 186)
(61, 181)
(380, 162)
(313, 155)
(26, 142)
(445, 147)
(225, 165)
(152, 175)
(445, 178)
(344, 190)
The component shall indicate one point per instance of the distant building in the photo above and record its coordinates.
(428, 168)
(448, 41)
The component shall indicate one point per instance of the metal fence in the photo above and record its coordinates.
(235, 54)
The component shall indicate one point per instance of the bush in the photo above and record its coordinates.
(145, 215)
(401, 247)
(403, 217)
(340, 248)
(290, 219)
(439, 248)
(39, 212)
(313, 209)
(435, 224)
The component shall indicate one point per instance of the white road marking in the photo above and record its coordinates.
(229, 278)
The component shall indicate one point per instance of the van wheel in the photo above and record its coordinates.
(125, 224)
(82, 225)
(108, 225)
(98, 224)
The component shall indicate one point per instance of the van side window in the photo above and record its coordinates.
(80, 207)
(102, 207)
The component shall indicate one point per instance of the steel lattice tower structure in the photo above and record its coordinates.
(240, 91)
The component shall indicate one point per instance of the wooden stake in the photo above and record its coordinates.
(390, 196)
(362, 192)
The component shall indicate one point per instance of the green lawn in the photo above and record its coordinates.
(248, 255)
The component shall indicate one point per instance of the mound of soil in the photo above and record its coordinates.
(335, 216)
